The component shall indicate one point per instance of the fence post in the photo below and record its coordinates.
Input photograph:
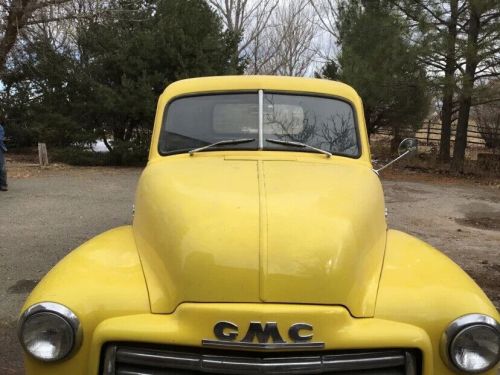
(428, 131)
(42, 155)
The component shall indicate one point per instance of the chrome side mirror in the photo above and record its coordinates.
(408, 146)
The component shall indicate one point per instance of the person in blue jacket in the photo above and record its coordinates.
(3, 149)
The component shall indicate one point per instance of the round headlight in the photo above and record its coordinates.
(472, 343)
(49, 331)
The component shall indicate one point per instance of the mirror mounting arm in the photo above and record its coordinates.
(377, 171)
(406, 147)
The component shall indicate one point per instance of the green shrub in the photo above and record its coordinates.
(77, 156)
(120, 156)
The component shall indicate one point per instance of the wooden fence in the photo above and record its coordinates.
(430, 134)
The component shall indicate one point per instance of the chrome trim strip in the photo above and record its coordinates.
(57, 309)
(410, 364)
(457, 326)
(133, 360)
(109, 361)
(261, 366)
(261, 119)
(166, 359)
(364, 361)
(262, 346)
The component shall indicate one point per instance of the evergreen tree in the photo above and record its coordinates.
(106, 83)
(129, 61)
(381, 65)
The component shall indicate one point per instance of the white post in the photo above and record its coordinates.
(42, 155)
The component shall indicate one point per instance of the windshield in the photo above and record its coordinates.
(197, 121)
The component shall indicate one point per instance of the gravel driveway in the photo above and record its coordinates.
(43, 217)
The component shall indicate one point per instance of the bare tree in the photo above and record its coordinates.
(15, 15)
(261, 49)
(487, 117)
(327, 15)
(277, 37)
(246, 19)
(291, 40)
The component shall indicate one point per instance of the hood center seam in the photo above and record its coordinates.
(263, 230)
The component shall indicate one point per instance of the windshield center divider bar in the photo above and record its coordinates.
(261, 119)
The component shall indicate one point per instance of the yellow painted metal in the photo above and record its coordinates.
(217, 234)
(214, 224)
(99, 280)
(322, 247)
(213, 228)
(197, 228)
(423, 287)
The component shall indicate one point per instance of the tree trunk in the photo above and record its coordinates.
(449, 84)
(18, 13)
(106, 143)
(457, 164)
(396, 139)
(471, 62)
(368, 121)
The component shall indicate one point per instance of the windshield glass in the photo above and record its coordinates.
(197, 121)
(324, 123)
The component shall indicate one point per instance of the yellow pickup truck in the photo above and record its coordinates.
(259, 245)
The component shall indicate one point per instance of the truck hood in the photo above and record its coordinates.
(227, 229)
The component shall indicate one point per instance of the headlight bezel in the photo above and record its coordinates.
(61, 311)
(459, 325)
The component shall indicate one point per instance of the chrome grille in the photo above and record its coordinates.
(128, 359)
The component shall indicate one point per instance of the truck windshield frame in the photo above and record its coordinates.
(194, 121)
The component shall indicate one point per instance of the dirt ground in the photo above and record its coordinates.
(46, 213)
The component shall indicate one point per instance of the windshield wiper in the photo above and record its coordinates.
(299, 144)
(224, 142)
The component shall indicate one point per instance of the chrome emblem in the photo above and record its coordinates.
(262, 336)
